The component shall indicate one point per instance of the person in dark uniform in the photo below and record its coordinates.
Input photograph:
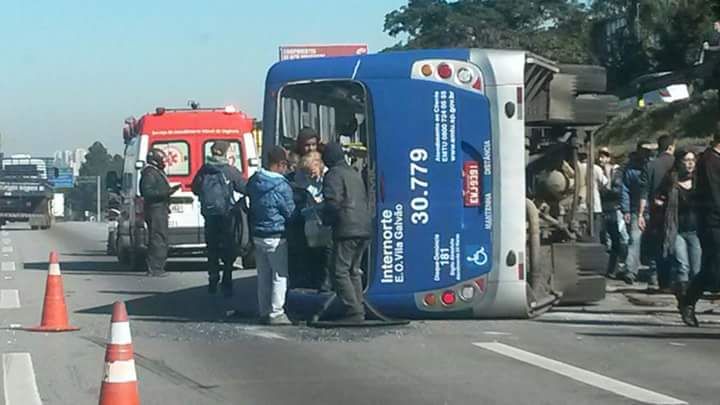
(156, 191)
(347, 211)
(215, 184)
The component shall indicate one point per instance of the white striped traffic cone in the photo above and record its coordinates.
(120, 385)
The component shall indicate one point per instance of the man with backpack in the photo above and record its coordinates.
(215, 184)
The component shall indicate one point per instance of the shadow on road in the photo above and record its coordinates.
(602, 322)
(659, 335)
(188, 305)
(112, 268)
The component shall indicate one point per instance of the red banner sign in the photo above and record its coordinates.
(321, 51)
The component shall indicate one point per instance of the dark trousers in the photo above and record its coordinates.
(710, 270)
(157, 251)
(219, 238)
(346, 276)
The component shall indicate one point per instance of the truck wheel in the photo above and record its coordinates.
(34, 227)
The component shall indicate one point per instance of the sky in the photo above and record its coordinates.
(71, 71)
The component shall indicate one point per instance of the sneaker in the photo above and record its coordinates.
(281, 320)
(687, 312)
(628, 278)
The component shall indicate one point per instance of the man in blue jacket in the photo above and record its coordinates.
(634, 182)
(271, 205)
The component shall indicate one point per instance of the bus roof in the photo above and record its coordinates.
(386, 64)
(194, 120)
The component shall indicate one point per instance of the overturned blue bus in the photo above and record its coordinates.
(470, 158)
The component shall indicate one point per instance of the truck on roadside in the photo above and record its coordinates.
(26, 194)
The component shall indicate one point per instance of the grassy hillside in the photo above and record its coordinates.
(692, 121)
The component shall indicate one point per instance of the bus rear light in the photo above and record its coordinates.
(448, 298)
(477, 85)
(444, 71)
(480, 283)
(467, 293)
(430, 300)
(426, 70)
(664, 92)
(464, 75)
(521, 271)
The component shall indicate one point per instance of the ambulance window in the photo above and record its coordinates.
(177, 162)
(234, 153)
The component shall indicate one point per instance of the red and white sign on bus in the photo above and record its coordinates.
(320, 51)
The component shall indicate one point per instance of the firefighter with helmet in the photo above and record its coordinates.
(156, 191)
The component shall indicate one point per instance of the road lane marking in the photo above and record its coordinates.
(9, 299)
(19, 380)
(6, 241)
(584, 376)
(5, 233)
(7, 249)
(7, 266)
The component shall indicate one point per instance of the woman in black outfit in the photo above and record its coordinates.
(680, 237)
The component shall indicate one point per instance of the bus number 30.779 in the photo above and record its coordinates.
(419, 187)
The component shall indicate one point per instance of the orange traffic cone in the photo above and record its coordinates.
(119, 385)
(54, 315)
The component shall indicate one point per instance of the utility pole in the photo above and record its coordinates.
(99, 218)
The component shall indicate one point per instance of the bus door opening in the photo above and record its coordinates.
(338, 111)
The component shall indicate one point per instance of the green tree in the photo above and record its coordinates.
(649, 35)
(98, 162)
(553, 28)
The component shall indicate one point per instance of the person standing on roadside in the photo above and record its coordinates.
(614, 224)
(271, 206)
(215, 184)
(679, 237)
(156, 191)
(346, 210)
(707, 204)
(653, 208)
(634, 179)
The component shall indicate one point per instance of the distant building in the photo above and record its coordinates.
(72, 159)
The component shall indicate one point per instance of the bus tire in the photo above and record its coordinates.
(591, 109)
(589, 78)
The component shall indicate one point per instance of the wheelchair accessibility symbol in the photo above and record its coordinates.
(480, 258)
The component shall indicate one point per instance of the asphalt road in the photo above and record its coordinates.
(188, 351)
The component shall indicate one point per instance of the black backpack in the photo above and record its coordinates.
(216, 194)
(241, 228)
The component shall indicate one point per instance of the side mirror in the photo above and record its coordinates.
(139, 165)
(112, 182)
